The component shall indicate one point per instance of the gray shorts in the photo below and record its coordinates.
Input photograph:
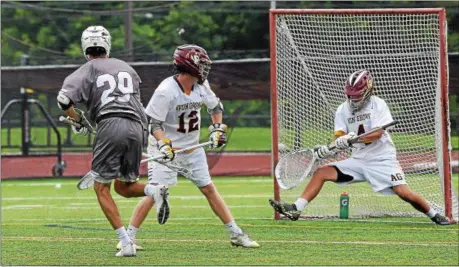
(117, 150)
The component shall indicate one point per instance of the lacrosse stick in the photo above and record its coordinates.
(88, 180)
(295, 166)
(158, 157)
(76, 124)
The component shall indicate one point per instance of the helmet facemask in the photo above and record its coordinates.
(358, 102)
(358, 89)
(204, 69)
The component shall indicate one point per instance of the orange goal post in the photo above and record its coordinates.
(313, 51)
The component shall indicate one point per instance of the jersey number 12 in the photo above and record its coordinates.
(193, 123)
(125, 85)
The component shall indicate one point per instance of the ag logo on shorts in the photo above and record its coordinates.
(396, 177)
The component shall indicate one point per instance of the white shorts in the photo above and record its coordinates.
(196, 161)
(381, 174)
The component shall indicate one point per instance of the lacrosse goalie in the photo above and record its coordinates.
(373, 157)
(175, 120)
(110, 89)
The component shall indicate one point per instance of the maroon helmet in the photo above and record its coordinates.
(194, 60)
(359, 87)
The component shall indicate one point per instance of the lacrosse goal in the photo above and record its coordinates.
(313, 51)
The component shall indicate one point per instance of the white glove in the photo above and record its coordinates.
(343, 141)
(82, 131)
(217, 135)
(165, 147)
(85, 127)
(323, 152)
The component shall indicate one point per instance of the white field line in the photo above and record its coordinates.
(74, 183)
(366, 224)
(162, 240)
(117, 198)
(93, 220)
(90, 206)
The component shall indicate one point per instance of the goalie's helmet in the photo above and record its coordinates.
(358, 89)
(96, 36)
(192, 59)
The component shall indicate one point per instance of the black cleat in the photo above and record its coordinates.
(162, 204)
(440, 219)
(289, 210)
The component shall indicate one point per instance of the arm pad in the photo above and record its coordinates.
(155, 125)
(64, 102)
(217, 109)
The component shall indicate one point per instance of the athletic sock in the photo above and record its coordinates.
(301, 204)
(233, 228)
(132, 231)
(149, 189)
(123, 235)
(431, 213)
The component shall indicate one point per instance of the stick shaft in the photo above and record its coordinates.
(154, 158)
(355, 139)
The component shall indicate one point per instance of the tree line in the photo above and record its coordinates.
(50, 32)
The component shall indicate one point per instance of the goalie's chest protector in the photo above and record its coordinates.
(183, 121)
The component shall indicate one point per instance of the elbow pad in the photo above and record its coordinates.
(64, 102)
(155, 125)
(217, 109)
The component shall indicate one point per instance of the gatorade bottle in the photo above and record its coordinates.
(344, 206)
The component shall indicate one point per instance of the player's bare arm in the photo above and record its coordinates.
(217, 117)
(371, 137)
(72, 113)
(164, 144)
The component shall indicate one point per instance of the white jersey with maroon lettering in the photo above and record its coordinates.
(374, 114)
(179, 112)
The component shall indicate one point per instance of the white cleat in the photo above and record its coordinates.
(127, 251)
(162, 203)
(243, 240)
(137, 247)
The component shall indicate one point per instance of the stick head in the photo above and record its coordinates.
(294, 167)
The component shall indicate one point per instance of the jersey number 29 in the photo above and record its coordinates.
(125, 85)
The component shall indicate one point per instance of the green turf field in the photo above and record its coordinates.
(240, 139)
(47, 225)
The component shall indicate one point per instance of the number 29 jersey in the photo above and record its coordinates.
(179, 112)
(374, 114)
(106, 86)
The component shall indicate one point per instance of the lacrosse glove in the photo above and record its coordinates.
(165, 147)
(342, 142)
(217, 135)
(85, 127)
(322, 152)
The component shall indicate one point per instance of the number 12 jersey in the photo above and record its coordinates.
(179, 112)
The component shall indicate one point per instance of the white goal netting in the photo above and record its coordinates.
(315, 54)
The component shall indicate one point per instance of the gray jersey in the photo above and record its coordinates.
(106, 86)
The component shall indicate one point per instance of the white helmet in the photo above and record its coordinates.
(96, 36)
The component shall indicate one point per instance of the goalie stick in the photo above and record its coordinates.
(289, 170)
